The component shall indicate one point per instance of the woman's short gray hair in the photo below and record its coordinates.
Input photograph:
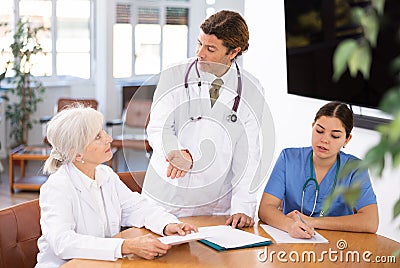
(69, 132)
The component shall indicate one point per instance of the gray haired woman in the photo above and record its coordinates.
(84, 203)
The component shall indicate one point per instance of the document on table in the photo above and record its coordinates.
(179, 239)
(224, 237)
(282, 237)
(219, 237)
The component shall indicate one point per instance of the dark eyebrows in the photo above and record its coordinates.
(208, 46)
(335, 130)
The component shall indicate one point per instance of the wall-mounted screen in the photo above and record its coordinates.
(313, 30)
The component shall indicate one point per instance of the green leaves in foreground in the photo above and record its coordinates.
(350, 195)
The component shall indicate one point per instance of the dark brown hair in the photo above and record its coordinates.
(230, 27)
(339, 110)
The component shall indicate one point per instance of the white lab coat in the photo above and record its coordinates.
(226, 155)
(71, 225)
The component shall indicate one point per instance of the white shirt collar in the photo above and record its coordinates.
(87, 181)
(229, 78)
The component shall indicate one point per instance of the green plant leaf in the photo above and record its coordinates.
(390, 102)
(365, 61)
(395, 66)
(396, 209)
(352, 194)
(370, 23)
(358, 13)
(396, 159)
(378, 5)
(341, 56)
(394, 133)
(375, 158)
(360, 60)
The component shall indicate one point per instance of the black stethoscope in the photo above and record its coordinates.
(231, 117)
(312, 179)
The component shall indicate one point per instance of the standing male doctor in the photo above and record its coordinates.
(205, 129)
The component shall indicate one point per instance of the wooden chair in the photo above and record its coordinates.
(136, 116)
(19, 232)
(65, 102)
(134, 180)
(62, 104)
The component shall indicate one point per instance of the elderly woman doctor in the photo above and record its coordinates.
(83, 203)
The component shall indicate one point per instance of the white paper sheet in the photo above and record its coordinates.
(222, 235)
(228, 237)
(178, 239)
(281, 237)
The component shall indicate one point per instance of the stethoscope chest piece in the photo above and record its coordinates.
(231, 117)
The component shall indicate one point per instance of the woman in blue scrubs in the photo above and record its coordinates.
(303, 178)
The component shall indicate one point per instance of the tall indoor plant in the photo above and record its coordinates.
(26, 88)
(356, 56)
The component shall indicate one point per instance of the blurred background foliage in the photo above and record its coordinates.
(355, 55)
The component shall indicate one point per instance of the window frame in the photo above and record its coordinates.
(162, 6)
(54, 34)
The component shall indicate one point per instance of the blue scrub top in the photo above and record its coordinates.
(291, 171)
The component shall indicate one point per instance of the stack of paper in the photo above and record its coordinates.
(220, 238)
(224, 237)
(179, 239)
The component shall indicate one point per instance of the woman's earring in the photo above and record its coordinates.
(83, 161)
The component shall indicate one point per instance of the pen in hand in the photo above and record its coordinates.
(301, 219)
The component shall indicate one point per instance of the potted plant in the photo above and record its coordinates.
(26, 88)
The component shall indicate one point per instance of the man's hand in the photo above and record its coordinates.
(179, 228)
(240, 220)
(146, 246)
(180, 162)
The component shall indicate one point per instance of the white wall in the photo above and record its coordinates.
(293, 115)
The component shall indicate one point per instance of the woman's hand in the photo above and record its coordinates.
(301, 226)
(146, 246)
(179, 228)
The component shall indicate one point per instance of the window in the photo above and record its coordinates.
(149, 36)
(6, 12)
(66, 44)
(73, 38)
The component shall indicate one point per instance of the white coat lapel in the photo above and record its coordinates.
(80, 187)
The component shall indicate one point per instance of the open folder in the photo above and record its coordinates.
(220, 237)
(224, 237)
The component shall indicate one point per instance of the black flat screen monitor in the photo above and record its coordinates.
(313, 30)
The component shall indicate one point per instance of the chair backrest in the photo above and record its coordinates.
(64, 102)
(137, 113)
(19, 232)
(134, 180)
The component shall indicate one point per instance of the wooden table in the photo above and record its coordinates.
(22, 154)
(195, 254)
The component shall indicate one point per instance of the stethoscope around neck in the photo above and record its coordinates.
(232, 117)
(312, 179)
